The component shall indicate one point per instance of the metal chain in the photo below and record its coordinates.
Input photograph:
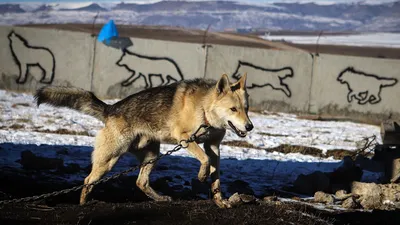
(192, 138)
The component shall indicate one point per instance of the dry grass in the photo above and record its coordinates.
(286, 149)
(338, 119)
(243, 144)
(16, 126)
(339, 153)
(297, 149)
(20, 104)
(273, 135)
(63, 131)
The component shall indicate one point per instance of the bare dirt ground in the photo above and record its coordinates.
(120, 202)
(228, 38)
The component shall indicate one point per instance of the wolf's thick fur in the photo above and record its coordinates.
(140, 122)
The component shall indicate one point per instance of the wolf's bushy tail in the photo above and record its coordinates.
(73, 98)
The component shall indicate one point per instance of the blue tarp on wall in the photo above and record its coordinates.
(108, 31)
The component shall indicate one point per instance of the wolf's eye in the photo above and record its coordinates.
(233, 109)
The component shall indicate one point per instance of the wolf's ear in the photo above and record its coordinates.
(241, 83)
(223, 85)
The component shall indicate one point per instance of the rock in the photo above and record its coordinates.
(391, 192)
(349, 203)
(270, 198)
(31, 161)
(240, 187)
(235, 200)
(370, 194)
(377, 196)
(343, 195)
(247, 198)
(239, 199)
(322, 197)
(340, 194)
(311, 183)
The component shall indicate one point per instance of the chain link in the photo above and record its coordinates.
(192, 138)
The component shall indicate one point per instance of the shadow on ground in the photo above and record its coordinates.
(120, 202)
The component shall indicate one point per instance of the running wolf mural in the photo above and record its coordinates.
(259, 77)
(364, 87)
(149, 67)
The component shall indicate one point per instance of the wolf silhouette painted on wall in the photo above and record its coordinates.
(259, 77)
(149, 66)
(26, 56)
(364, 87)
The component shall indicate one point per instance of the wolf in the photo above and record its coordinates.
(149, 66)
(364, 87)
(26, 55)
(265, 77)
(164, 114)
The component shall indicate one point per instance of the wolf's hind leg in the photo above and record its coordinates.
(104, 157)
(146, 154)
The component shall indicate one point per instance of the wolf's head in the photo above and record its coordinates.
(230, 107)
(345, 74)
(12, 36)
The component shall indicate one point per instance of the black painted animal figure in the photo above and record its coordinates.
(364, 87)
(262, 77)
(26, 56)
(148, 67)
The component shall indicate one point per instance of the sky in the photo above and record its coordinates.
(255, 1)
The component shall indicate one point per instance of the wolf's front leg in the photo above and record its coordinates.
(212, 150)
(197, 152)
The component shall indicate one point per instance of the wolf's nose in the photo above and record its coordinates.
(249, 127)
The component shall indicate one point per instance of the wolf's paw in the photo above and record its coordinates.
(204, 172)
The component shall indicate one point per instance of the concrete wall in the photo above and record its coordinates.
(276, 80)
(356, 86)
(31, 58)
(286, 81)
(148, 63)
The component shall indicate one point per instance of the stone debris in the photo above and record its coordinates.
(322, 197)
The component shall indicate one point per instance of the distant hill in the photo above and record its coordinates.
(90, 8)
(11, 8)
(229, 15)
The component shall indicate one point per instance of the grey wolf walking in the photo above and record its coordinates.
(141, 121)
(26, 55)
(364, 87)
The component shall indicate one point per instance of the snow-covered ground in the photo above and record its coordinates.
(24, 126)
(364, 39)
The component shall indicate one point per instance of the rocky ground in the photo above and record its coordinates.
(120, 202)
